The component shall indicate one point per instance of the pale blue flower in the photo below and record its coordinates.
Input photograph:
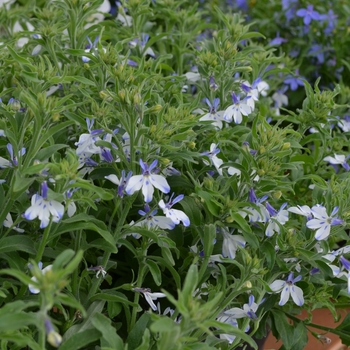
(276, 218)
(322, 222)
(231, 243)
(146, 181)
(249, 310)
(338, 159)
(154, 221)
(287, 289)
(149, 296)
(217, 162)
(122, 183)
(309, 14)
(215, 116)
(43, 208)
(235, 111)
(175, 215)
(86, 143)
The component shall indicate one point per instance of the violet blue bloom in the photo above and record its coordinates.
(146, 181)
(276, 218)
(309, 14)
(277, 40)
(287, 289)
(214, 115)
(249, 310)
(43, 208)
(212, 84)
(174, 215)
(235, 111)
(322, 222)
(331, 18)
(124, 180)
(318, 52)
(293, 81)
(86, 143)
(338, 159)
(261, 215)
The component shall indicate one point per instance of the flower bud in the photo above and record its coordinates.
(286, 145)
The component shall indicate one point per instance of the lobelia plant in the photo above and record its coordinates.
(143, 171)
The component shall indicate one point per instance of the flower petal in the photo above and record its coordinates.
(159, 182)
(134, 184)
(285, 294)
(297, 295)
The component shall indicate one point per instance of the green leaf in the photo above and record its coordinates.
(269, 253)
(16, 320)
(155, 271)
(300, 337)
(14, 243)
(70, 301)
(21, 60)
(65, 227)
(17, 274)
(208, 238)
(47, 152)
(103, 324)
(135, 335)
(117, 296)
(21, 183)
(145, 340)
(99, 191)
(283, 329)
(229, 329)
(190, 284)
(164, 324)
(81, 339)
(86, 325)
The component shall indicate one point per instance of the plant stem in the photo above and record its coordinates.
(43, 242)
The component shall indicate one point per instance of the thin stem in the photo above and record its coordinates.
(43, 242)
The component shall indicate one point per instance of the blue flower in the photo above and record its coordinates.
(322, 222)
(146, 181)
(43, 208)
(287, 289)
(309, 14)
(277, 218)
(175, 215)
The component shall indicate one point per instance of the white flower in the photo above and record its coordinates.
(99, 269)
(31, 287)
(214, 115)
(147, 180)
(174, 215)
(338, 159)
(153, 221)
(9, 223)
(149, 296)
(86, 144)
(322, 222)
(301, 210)
(249, 310)
(236, 111)
(276, 217)
(231, 243)
(344, 124)
(287, 289)
(42, 208)
(217, 162)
